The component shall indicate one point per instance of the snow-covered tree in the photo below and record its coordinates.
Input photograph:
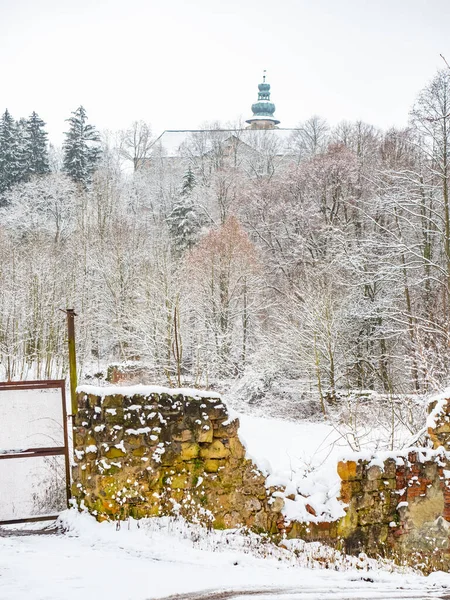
(81, 148)
(135, 143)
(330, 265)
(184, 220)
(43, 205)
(36, 147)
(12, 167)
(224, 281)
(431, 120)
(311, 137)
(189, 183)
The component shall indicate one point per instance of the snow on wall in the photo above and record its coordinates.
(147, 450)
(146, 391)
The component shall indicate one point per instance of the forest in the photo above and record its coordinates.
(329, 265)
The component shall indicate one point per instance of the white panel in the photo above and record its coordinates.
(31, 419)
(31, 487)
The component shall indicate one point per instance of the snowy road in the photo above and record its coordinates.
(311, 593)
(164, 559)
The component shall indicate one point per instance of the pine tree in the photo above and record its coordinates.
(189, 182)
(22, 151)
(12, 163)
(183, 221)
(81, 149)
(36, 146)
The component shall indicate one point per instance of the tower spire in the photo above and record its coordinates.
(263, 110)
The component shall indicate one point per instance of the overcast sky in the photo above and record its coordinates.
(179, 63)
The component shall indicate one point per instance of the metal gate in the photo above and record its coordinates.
(34, 451)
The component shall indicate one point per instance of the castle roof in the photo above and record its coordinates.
(176, 143)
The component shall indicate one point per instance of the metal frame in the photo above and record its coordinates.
(38, 452)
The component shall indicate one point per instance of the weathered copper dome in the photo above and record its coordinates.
(263, 110)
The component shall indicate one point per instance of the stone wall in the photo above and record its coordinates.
(398, 507)
(438, 422)
(145, 451)
(398, 503)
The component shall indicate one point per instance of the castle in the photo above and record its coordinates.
(262, 137)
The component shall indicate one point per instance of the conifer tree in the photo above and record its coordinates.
(12, 165)
(22, 150)
(189, 182)
(36, 149)
(81, 148)
(183, 221)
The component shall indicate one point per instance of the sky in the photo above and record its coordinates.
(177, 64)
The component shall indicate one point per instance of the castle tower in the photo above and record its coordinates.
(263, 110)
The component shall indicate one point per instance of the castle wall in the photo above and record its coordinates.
(398, 507)
(146, 451)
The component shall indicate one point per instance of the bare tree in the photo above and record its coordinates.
(135, 143)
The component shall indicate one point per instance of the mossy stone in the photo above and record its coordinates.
(79, 436)
(76, 490)
(182, 435)
(226, 431)
(134, 440)
(218, 412)
(348, 524)
(153, 507)
(115, 453)
(140, 452)
(93, 400)
(113, 402)
(231, 477)
(114, 417)
(214, 451)
(212, 465)
(83, 418)
(181, 481)
(189, 451)
(205, 433)
(236, 448)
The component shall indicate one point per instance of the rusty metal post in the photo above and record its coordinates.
(72, 359)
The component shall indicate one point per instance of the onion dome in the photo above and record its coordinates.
(263, 110)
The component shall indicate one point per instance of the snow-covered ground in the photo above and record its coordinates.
(301, 457)
(165, 556)
(162, 557)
